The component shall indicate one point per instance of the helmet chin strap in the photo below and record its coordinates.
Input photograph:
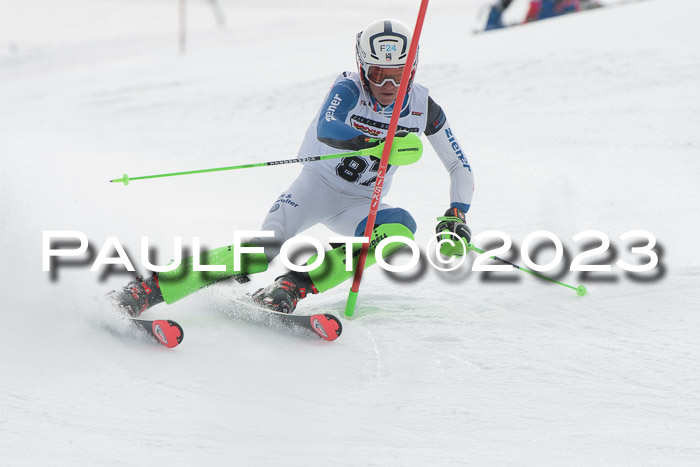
(378, 107)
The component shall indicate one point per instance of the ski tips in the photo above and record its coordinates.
(165, 331)
(327, 326)
(168, 332)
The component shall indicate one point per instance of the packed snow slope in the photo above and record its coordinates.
(572, 124)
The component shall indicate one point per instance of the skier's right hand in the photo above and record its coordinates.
(372, 142)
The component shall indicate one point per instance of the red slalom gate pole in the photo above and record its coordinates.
(377, 194)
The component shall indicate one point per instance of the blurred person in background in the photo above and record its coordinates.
(543, 9)
(495, 20)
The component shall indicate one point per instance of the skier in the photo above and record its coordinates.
(355, 115)
(495, 18)
(543, 9)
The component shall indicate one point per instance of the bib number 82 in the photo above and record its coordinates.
(351, 168)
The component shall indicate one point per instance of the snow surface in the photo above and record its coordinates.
(577, 123)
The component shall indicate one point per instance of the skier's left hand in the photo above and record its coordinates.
(454, 221)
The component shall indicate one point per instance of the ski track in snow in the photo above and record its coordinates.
(571, 124)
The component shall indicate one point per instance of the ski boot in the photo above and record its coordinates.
(283, 294)
(137, 296)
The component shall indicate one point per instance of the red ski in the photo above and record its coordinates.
(166, 332)
(325, 326)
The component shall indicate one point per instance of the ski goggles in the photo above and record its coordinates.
(380, 75)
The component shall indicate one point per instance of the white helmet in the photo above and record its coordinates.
(382, 46)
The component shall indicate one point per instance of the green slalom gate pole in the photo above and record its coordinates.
(580, 290)
(405, 151)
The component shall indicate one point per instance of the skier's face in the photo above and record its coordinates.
(385, 94)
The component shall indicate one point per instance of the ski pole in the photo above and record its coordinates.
(379, 183)
(408, 151)
(580, 290)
